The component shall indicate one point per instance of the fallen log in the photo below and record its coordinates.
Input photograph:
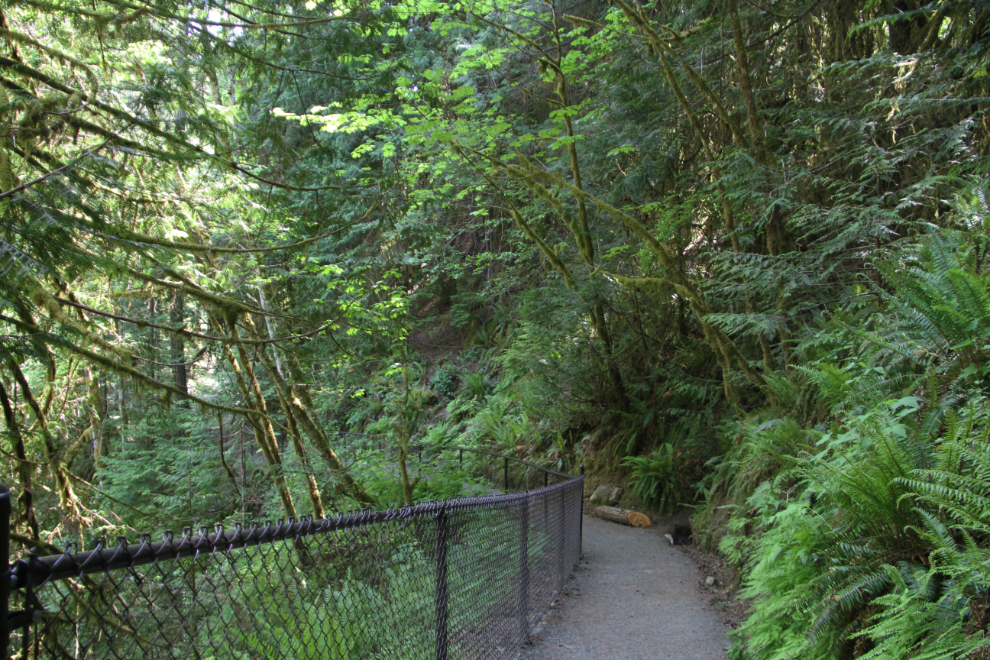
(622, 516)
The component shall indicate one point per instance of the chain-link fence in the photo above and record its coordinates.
(462, 578)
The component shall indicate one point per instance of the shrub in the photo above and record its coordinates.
(445, 380)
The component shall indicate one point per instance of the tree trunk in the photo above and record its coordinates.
(284, 395)
(68, 502)
(264, 434)
(24, 470)
(302, 405)
(180, 376)
(622, 516)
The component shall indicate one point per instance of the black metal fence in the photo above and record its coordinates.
(462, 578)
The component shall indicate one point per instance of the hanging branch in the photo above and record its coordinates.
(223, 458)
(132, 120)
(45, 177)
(141, 323)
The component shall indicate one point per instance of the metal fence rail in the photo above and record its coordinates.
(463, 578)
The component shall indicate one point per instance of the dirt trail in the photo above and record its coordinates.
(633, 597)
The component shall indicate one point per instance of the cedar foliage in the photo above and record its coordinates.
(739, 244)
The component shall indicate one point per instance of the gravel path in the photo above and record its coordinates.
(633, 597)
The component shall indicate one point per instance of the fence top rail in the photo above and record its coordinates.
(37, 570)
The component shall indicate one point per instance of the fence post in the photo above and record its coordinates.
(562, 562)
(505, 469)
(5, 575)
(581, 515)
(524, 571)
(440, 597)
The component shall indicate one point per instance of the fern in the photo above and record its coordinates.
(923, 618)
(662, 479)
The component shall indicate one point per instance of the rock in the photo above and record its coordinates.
(616, 496)
(606, 494)
(709, 581)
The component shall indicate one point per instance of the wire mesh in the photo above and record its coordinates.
(462, 578)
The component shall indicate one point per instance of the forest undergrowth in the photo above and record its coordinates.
(253, 255)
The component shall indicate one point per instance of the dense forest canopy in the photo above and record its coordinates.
(733, 252)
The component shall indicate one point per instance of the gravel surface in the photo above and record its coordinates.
(633, 597)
